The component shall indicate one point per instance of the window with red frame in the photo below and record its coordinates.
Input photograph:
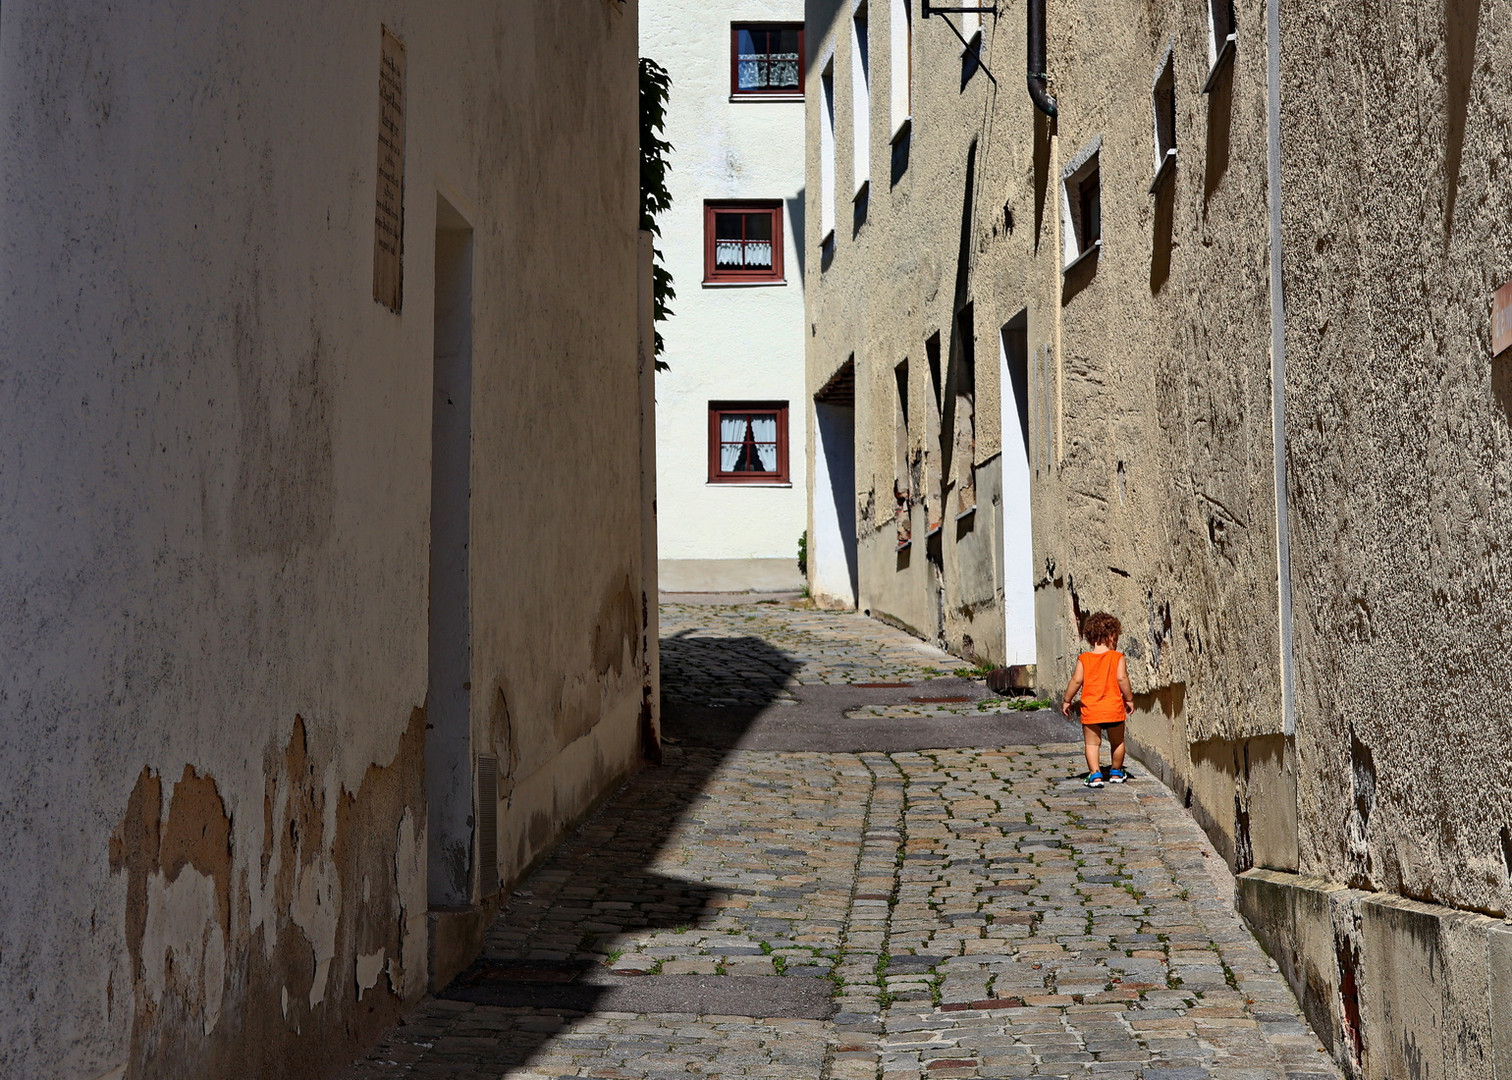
(766, 60)
(743, 242)
(748, 442)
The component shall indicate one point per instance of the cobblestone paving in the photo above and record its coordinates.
(979, 913)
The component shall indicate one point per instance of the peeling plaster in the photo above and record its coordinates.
(337, 880)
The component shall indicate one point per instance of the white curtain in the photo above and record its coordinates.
(731, 439)
(764, 428)
(779, 71)
(751, 72)
(785, 70)
(732, 443)
(728, 253)
(735, 253)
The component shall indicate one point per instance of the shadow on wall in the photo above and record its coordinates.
(795, 208)
(1220, 117)
(600, 882)
(1501, 384)
(1160, 252)
(1461, 28)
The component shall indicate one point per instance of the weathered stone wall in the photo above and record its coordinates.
(1149, 429)
(1376, 814)
(1398, 435)
(927, 240)
(215, 500)
(1394, 140)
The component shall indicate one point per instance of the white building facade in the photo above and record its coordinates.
(731, 435)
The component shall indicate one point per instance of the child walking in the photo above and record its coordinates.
(1102, 676)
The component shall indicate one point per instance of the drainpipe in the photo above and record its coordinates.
(1278, 368)
(1038, 90)
(1039, 93)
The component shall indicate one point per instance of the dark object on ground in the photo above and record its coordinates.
(1005, 680)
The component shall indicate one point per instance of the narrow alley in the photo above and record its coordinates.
(855, 863)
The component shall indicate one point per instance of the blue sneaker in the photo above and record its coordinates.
(1117, 776)
(1095, 779)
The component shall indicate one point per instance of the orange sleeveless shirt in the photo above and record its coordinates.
(1102, 701)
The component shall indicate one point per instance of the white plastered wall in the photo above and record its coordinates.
(726, 343)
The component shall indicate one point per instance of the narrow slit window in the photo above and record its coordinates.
(1164, 106)
(1089, 198)
(827, 154)
(1081, 204)
(964, 452)
(934, 449)
(1223, 35)
(861, 98)
(902, 474)
(900, 69)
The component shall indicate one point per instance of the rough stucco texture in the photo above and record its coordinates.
(214, 503)
(1150, 434)
(724, 343)
(1398, 435)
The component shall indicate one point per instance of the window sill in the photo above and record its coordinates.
(762, 284)
(736, 99)
(748, 484)
(902, 131)
(862, 190)
(1225, 55)
(974, 43)
(1167, 167)
(966, 513)
(1090, 253)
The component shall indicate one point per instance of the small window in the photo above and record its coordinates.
(827, 156)
(1081, 204)
(1089, 220)
(902, 475)
(743, 242)
(964, 454)
(766, 60)
(1222, 37)
(900, 65)
(861, 99)
(1164, 103)
(934, 449)
(748, 442)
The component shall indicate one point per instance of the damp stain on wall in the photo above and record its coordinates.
(318, 904)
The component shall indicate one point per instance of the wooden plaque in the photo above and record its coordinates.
(388, 223)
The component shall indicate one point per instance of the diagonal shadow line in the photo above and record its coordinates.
(603, 879)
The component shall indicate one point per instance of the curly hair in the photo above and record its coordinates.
(1100, 628)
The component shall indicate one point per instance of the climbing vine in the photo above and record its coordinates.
(655, 85)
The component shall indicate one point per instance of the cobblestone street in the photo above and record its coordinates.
(828, 877)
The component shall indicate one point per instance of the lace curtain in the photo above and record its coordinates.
(735, 254)
(768, 71)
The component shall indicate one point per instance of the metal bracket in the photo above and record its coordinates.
(928, 9)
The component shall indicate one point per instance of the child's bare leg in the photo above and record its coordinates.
(1092, 738)
(1116, 742)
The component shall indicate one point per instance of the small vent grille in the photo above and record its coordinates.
(488, 824)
